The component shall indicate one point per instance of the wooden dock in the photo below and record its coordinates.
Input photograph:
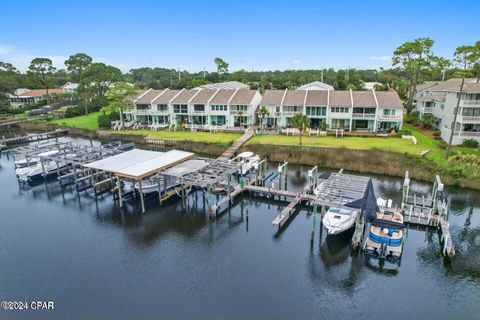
(35, 137)
(230, 152)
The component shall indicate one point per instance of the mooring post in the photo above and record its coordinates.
(229, 184)
(58, 173)
(119, 187)
(312, 233)
(159, 191)
(43, 169)
(141, 196)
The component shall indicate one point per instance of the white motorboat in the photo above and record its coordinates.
(247, 160)
(37, 171)
(338, 220)
(23, 163)
(151, 185)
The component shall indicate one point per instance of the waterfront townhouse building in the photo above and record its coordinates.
(440, 99)
(347, 110)
(200, 108)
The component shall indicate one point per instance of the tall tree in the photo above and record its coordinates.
(464, 57)
(441, 65)
(222, 66)
(476, 62)
(98, 78)
(415, 57)
(301, 122)
(76, 65)
(117, 98)
(42, 68)
(8, 81)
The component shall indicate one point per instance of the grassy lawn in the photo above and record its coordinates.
(89, 122)
(218, 138)
(424, 142)
(436, 153)
(390, 144)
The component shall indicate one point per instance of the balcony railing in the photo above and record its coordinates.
(468, 133)
(471, 118)
(390, 116)
(145, 111)
(428, 109)
(471, 102)
(364, 115)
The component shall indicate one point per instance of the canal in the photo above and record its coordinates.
(94, 260)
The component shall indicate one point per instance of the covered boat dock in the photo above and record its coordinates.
(136, 165)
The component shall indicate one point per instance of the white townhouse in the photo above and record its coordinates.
(439, 98)
(349, 110)
(197, 107)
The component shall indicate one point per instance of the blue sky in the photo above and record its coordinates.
(260, 35)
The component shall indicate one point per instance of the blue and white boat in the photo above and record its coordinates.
(385, 238)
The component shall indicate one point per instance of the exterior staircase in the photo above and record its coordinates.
(230, 152)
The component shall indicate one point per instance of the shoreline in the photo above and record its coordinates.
(373, 161)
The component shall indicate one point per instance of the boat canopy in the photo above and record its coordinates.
(387, 224)
(367, 204)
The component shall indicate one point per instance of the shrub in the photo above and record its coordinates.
(442, 145)
(105, 119)
(470, 143)
(405, 132)
(413, 117)
(429, 121)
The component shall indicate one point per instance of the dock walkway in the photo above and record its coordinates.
(35, 137)
(237, 144)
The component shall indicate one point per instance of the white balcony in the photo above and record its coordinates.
(391, 117)
(428, 109)
(145, 112)
(364, 115)
(471, 102)
(470, 118)
(468, 133)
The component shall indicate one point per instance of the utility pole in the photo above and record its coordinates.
(322, 75)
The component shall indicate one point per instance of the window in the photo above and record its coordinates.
(389, 112)
(471, 112)
(199, 107)
(219, 107)
(162, 107)
(339, 109)
(316, 111)
(180, 108)
(242, 108)
(143, 106)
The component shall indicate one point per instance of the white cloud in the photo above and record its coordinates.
(21, 59)
(380, 58)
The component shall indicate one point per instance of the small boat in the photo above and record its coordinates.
(385, 238)
(151, 185)
(36, 172)
(24, 163)
(338, 220)
(247, 160)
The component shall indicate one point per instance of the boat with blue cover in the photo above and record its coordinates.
(385, 237)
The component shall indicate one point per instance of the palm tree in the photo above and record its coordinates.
(301, 122)
(264, 113)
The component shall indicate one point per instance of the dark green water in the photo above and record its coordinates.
(96, 261)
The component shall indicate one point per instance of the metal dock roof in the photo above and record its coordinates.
(137, 164)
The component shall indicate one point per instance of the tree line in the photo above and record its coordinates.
(412, 63)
